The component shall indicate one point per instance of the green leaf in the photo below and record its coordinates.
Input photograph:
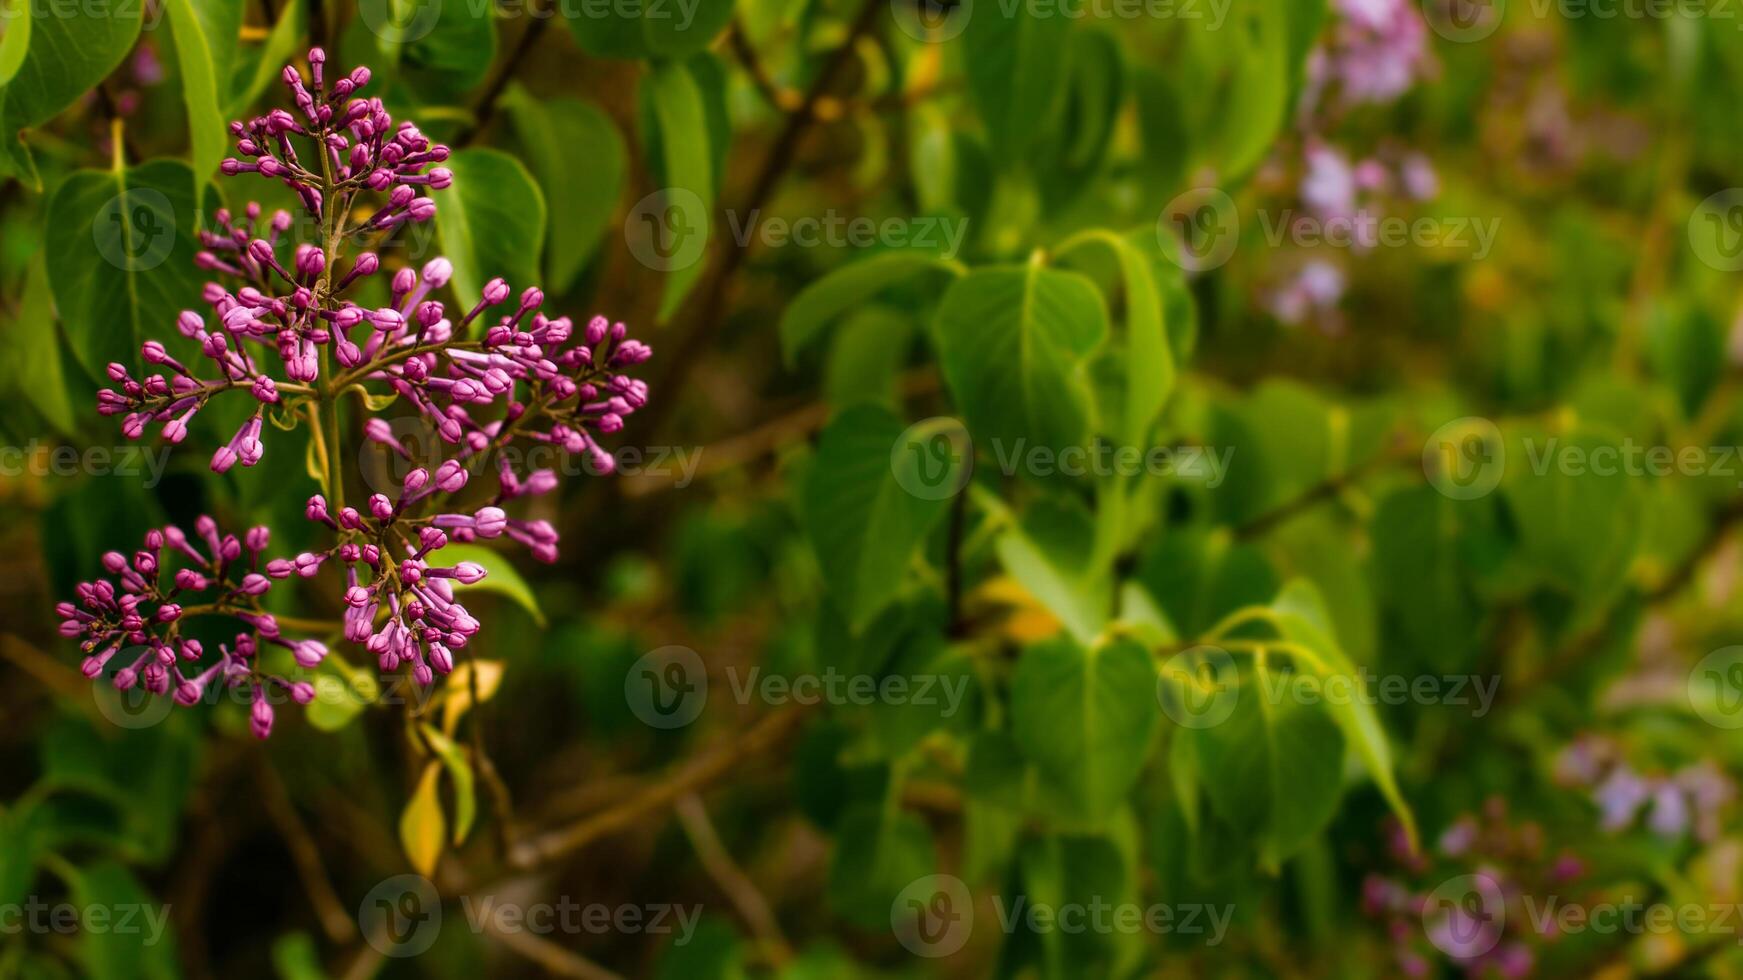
(1578, 527)
(491, 222)
(422, 827)
(578, 156)
(1274, 768)
(66, 57)
(646, 30)
(1300, 615)
(863, 521)
(269, 61)
(1148, 360)
(1050, 553)
(460, 771)
(30, 350)
(500, 576)
(15, 41)
(440, 49)
(1259, 95)
(868, 352)
(1013, 340)
(1017, 65)
(850, 288)
(120, 250)
(878, 854)
(147, 950)
(1086, 716)
(205, 40)
(296, 957)
(673, 106)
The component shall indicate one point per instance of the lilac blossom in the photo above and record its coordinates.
(281, 331)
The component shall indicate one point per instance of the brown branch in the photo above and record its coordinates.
(540, 16)
(1322, 491)
(733, 452)
(768, 732)
(731, 878)
(555, 959)
(337, 923)
(710, 308)
(786, 100)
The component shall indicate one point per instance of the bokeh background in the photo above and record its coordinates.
(1345, 582)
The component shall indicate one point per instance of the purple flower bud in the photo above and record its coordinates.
(260, 717)
(437, 272)
(309, 653)
(490, 522)
(495, 291)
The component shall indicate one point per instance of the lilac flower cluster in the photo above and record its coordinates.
(1693, 798)
(479, 376)
(141, 621)
(1509, 857)
(1375, 51)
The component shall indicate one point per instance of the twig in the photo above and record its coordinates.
(731, 878)
(540, 15)
(786, 100)
(554, 958)
(733, 452)
(335, 921)
(711, 307)
(1324, 490)
(698, 772)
